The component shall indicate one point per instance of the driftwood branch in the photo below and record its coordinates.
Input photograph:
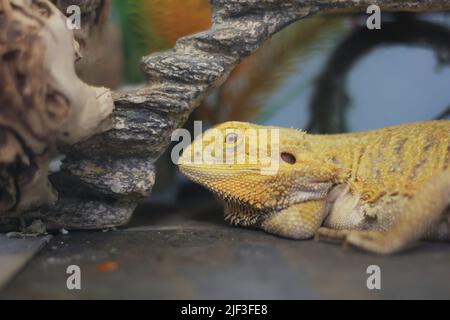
(103, 177)
(42, 101)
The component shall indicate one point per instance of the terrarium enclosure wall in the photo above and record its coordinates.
(85, 114)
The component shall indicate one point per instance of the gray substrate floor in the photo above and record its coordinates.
(191, 254)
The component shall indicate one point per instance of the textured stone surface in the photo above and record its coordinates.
(71, 213)
(130, 178)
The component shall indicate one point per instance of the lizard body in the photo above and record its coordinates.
(378, 190)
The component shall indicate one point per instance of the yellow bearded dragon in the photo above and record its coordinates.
(378, 190)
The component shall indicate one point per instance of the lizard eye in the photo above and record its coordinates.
(288, 157)
(231, 138)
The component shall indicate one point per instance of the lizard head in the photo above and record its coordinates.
(256, 170)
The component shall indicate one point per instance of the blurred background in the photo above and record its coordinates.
(324, 74)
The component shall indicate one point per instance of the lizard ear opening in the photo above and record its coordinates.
(288, 157)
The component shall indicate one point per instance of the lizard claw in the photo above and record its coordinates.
(332, 235)
(317, 236)
(345, 245)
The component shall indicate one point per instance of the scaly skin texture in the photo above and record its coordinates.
(379, 190)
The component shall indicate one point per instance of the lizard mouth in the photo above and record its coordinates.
(201, 173)
(236, 211)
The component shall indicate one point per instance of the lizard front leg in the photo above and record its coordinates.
(299, 221)
(418, 217)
